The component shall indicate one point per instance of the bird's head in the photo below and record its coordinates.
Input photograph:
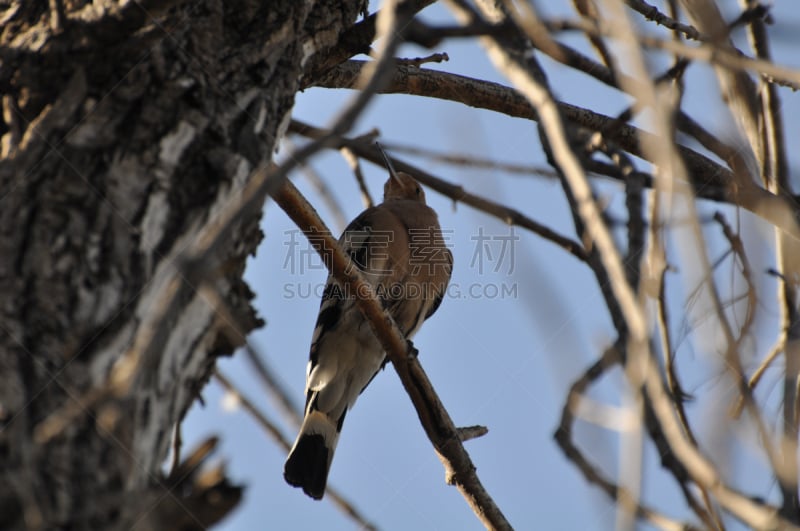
(402, 186)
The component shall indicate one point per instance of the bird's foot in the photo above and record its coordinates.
(412, 350)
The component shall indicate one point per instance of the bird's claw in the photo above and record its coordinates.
(412, 350)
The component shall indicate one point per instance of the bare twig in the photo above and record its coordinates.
(352, 160)
(321, 187)
(651, 12)
(455, 192)
(711, 180)
(563, 436)
(737, 247)
(702, 51)
(588, 9)
(631, 440)
(291, 411)
(470, 161)
(275, 434)
(419, 61)
(472, 432)
(776, 350)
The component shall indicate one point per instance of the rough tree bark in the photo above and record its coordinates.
(126, 125)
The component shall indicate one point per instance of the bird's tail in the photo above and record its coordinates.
(310, 458)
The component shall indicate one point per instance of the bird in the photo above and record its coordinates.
(400, 249)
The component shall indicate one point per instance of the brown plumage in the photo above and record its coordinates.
(399, 248)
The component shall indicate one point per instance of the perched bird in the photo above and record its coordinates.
(400, 250)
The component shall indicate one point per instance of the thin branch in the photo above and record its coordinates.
(352, 161)
(651, 12)
(658, 271)
(435, 420)
(563, 436)
(275, 434)
(701, 51)
(231, 328)
(291, 411)
(631, 441)
(776, 350)
(470, 161)
(737, 247)
(455, 192)
(658, 267)
(711, 180)
(777, 74)
(588, 9)
(471, 432)
(321, 187)
(419, 61)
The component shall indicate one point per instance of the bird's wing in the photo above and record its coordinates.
(365, 240)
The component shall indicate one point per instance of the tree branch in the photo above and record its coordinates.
(275, 434)
(711, 180)
(455, 192)
(440, 429)
(563, 436)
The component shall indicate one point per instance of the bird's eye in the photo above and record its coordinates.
(419, 191)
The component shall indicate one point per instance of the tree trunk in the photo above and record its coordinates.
(126, 126)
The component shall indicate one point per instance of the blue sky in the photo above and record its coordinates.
(500, 361)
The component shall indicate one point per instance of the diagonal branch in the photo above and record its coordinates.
(455, 192)
(711, 179)
(274, 432)
(435, 419)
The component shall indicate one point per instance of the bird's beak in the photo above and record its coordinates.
(389, 164)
